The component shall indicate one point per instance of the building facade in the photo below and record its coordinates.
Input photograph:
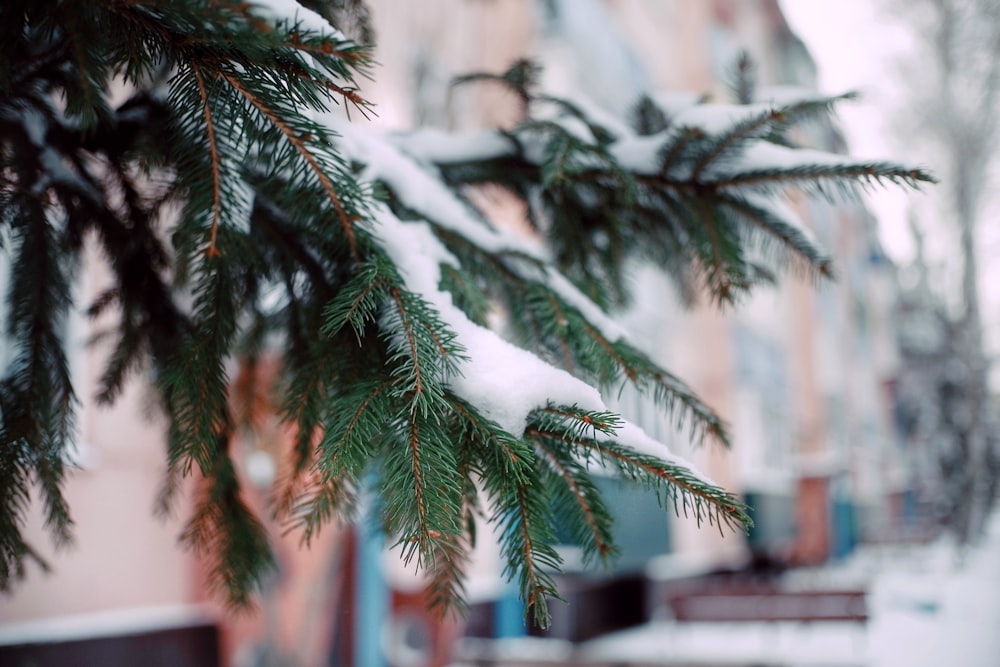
(803, 373)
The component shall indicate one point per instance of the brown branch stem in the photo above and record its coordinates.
(346, 220)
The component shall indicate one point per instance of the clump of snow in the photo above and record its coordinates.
(597, 114)
(502, 381)
(292, 13)
(718, 118)
(569, 293)
(640, 154)
(421, 191)
(575, 127)
(673, 102)
(435, 146)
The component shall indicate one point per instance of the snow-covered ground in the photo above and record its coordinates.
(940, 612)
(929, 606)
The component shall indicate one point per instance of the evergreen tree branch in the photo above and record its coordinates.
(679, 144)
(707, 501)
(214, 159)
(722, 506)
(508, 471)
(346, 221)
(732, 139)
(788, 234)
(577, 489)
(244, 144)
(38, 382)
(421, 489)
(226, 532)
(816, 178)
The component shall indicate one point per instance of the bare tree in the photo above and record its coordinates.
(953, 92)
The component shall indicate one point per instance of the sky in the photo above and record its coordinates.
(855, 46)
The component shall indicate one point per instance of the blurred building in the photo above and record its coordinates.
(803, 373)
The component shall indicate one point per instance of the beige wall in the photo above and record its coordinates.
(123, 555)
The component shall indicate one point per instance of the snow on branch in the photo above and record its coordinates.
(504, 383)
(462, 361)
(288, 14)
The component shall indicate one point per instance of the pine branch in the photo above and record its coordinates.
(705, 500)
(421, 489)
(445, 588)
(212, 250)
(305, 403)
(521, 78)
(790, 236)
(507, 468)
(733, 139)
(243, 144)
(15, 494)
(424, 352)
(225, 531)
(572, 487)
(195, 383)
(818, 178)
(677, 148)
(814, 108)
(39, 401)
(298, 142)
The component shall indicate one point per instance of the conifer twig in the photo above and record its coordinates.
(346, 221)
(604, 548)
(213, 148)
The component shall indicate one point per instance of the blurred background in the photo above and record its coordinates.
(862, 412)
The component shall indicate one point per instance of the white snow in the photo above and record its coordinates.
(672, 102)
(598, 114)
(736, 644)
(635, 438)
(718, 118)
(640, 154)
(575, 127)
(502, 381)
(423, 192)
(113, 622)
(926, 609)
(505, 383)
(433, 146)
(940, 611)
(292, 13)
